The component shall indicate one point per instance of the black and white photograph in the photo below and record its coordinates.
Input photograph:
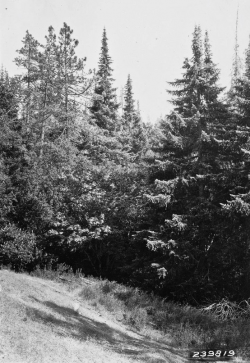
(124, 181)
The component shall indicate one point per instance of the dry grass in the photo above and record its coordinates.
(74, 319)
(183, 327)
(38, 323)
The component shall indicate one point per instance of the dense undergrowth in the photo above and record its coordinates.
(222, 324)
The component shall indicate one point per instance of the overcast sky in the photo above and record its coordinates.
(147, 39)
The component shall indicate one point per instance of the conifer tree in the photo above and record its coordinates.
(242, 94)
(72, 83)
(128, 109)
(29, 61)
(139, 134)
(104, 107)
(198, 112)
(48, 82)
(238, 205)
(187, 95)
(189, 186)
(236, 74)
(197, 91)
(132, 122)
(8, 99)
(237, 65)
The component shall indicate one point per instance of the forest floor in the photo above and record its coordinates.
(39, 323)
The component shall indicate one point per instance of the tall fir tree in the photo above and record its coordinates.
(104, 106)
(237, 64)
(192, 178)
(237, 207)
(242, 94)
(132, 122)
(236, 74)
(128, 109)
(187, 97)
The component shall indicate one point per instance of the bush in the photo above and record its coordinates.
(108, 287)
(17, 247)
(111, 304)
(89, 293)
(138, 318)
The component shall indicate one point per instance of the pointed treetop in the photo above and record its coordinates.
(237, 66)
(207, 50)
(129, 109)
(105, 61)
(105, 106)
(197, 90)
(129, 101)
(197, 45)
(247, 61)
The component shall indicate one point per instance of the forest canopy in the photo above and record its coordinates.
(86, 182)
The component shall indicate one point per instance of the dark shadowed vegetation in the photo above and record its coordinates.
(86, 185)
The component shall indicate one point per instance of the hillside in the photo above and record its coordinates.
(38, 323)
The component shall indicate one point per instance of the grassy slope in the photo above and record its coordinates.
(38, 324)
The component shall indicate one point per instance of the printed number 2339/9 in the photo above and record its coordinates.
(213, 353)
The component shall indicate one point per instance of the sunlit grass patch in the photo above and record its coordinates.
(183, 326)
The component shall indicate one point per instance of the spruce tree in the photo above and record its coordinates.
(237, 65)
(197, 90)
(187, 93)
(128, 109)
(242, 94)
(104, 107)
(237, 207)
(139, 135)
(192, 181)
(132, 122)
(236, 75)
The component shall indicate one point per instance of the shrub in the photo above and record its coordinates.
(137, 317)
(111, 304)
(17, 247)
(89, 293)
(108, 287)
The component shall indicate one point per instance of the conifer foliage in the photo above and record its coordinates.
(193, 179)
(29, 62)
(242, 93)
(129, 109)
(132, 123)
(105, 106)
(72, 83)
(165, 207)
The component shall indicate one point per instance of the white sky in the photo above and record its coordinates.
(147, 38)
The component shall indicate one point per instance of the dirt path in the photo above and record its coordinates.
(38, 324)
